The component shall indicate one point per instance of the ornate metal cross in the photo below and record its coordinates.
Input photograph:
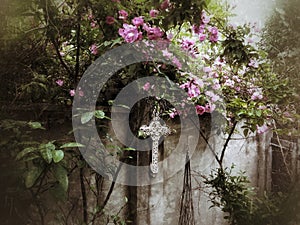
(155, 130)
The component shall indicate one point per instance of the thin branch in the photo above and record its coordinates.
(226, 143)
(84, 198)
(78, 31)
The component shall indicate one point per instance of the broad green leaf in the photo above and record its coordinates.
(72, 145)
(46, 151)
(57, 155)
(86, 117)
(35, 125)
(99, 114)
(32, 175)
(61, 176)
(26, 151)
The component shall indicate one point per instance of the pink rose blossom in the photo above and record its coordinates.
(165, 4)
(110, 20)
(198, 29)
(187, 43)
(153, 33)
(153, 13)
(138, 21)
(72, 92)
(262, 129)
(193, 91)
(94, 49)
(123, 15)
(202, 37)
(200, 109)
(146, 86)
(130, 33)
(59, 82)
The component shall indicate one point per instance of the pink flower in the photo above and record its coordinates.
(62, 53)
(90, 16)
(256, 96)
(187, 44)
(93, 24)
(200, 109)
(199, 82)
(138, 21)
(170, 36)
(205, 18)
(153, 33)
(262, 129)
(229, 83)
(207, 69)
(72, 92)
(94, 49)
(253, 63)
(110, 20)
(193, 91)
(214, 34)
(130, 33)
(202, 37)
(59, 82)
(198, 29)
(146, 86)
(177, 63)
(213, 96)
(153, 13)
(209, 108)
(167, 54)
(185, 85)
(123, 15)
(165, 4)
(173, 113)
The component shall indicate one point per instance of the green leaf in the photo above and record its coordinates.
(129, 149)
(32, 175)
(99, 114)
(46, 151)
(61, 176)
(72, 145)
(86, 117)
(57, 155)
(26, 151)
(35, 125)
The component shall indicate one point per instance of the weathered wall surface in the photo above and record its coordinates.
(159, 204)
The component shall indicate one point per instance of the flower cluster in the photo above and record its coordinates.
(211, 78)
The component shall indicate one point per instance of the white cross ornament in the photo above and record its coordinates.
(155, 130)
